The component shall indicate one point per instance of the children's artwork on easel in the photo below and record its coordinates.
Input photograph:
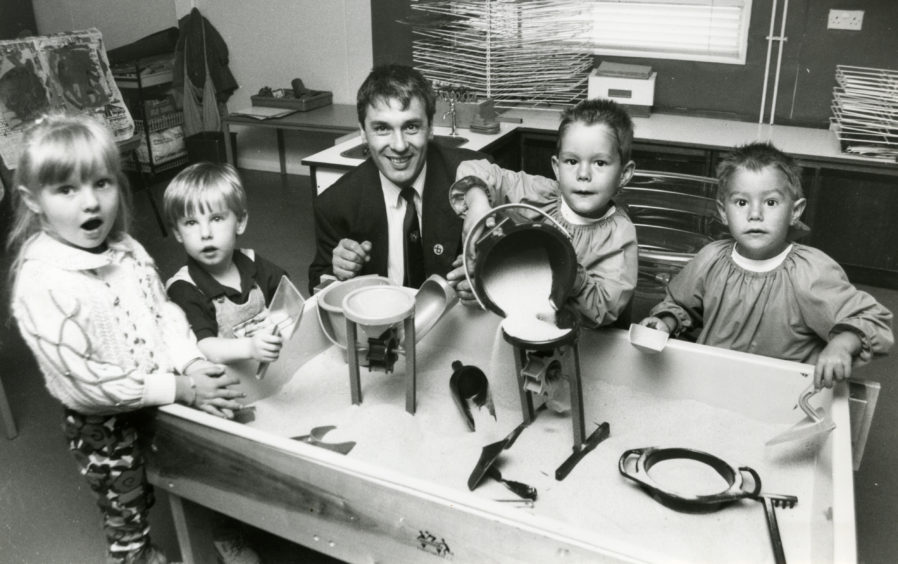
(62, 72)
(23, 94)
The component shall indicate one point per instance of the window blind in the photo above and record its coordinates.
(698, 30)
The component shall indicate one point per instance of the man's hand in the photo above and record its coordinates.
(459, 282)
(349, 257)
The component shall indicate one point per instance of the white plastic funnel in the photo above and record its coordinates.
(376, 308)
(647, 339)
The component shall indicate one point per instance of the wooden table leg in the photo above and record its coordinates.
(352, 359)
(194, 533)
(281, 155)
(571, 369)
(410, 366)
(230, 157)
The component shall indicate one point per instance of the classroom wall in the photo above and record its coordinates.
(810, 56)
(271, 42)
(326, 44)
(120, 22)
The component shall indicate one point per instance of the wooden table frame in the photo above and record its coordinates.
(361, 512)
(335, 118)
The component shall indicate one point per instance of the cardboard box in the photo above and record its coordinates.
(311, 99)
(636, 94)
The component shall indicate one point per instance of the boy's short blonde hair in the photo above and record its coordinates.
(600, 111)
(755, 157)
(202, 187)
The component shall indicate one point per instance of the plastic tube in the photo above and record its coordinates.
(779, 59)
(767, 64)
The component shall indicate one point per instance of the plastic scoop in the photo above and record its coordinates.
(647, 339)
(814, 424)
(284, 313)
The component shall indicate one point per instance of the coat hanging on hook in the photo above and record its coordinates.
(201, 69)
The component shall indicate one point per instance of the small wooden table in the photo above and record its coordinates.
(336, 118)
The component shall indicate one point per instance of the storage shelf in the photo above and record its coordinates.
(172, 161)
(141, 82)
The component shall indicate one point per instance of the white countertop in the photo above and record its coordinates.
(710, 133)
(812, 144)
(331, 157)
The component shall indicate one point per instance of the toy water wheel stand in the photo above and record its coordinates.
(520, 264)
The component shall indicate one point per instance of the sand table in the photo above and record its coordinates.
(435, 446)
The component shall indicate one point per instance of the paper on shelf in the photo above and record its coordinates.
(263, 112)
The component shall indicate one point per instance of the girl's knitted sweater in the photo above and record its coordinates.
(100, 325)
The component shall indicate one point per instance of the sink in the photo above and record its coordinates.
(360, 151)
(449, 140)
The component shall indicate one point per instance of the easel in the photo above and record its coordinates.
(9, 423)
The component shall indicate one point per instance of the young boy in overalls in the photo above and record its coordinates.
(224, 291)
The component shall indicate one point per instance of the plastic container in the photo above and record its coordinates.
(330, 308)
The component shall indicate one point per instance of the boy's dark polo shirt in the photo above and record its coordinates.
(197, 301)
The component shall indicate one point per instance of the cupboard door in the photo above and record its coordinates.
(854, 221)
(506, 152)
(685, 160)
(536, 153)
(537, 150)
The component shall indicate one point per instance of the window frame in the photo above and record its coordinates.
(737, 58)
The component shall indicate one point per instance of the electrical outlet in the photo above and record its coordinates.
(845, 19)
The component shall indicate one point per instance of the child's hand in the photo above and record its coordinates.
(257, 323)
(658, 323)
(203, 366)
(266, 346)
(215, 396)
(459, 282)
(475, 214)
(834, 362)
(468, 198)
(349, 256)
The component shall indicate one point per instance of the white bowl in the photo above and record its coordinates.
(647, 339)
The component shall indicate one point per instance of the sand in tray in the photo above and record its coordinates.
(434, 446)
(520, 284)
(687, 478)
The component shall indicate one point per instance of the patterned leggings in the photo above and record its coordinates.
(109, 452)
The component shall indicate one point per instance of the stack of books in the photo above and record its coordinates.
(153, 71)
(865, 111)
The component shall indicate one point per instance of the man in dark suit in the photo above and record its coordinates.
(362, 221)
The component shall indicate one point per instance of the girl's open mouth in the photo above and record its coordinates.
(92, 224)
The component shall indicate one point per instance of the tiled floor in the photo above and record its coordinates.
(47, 514)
